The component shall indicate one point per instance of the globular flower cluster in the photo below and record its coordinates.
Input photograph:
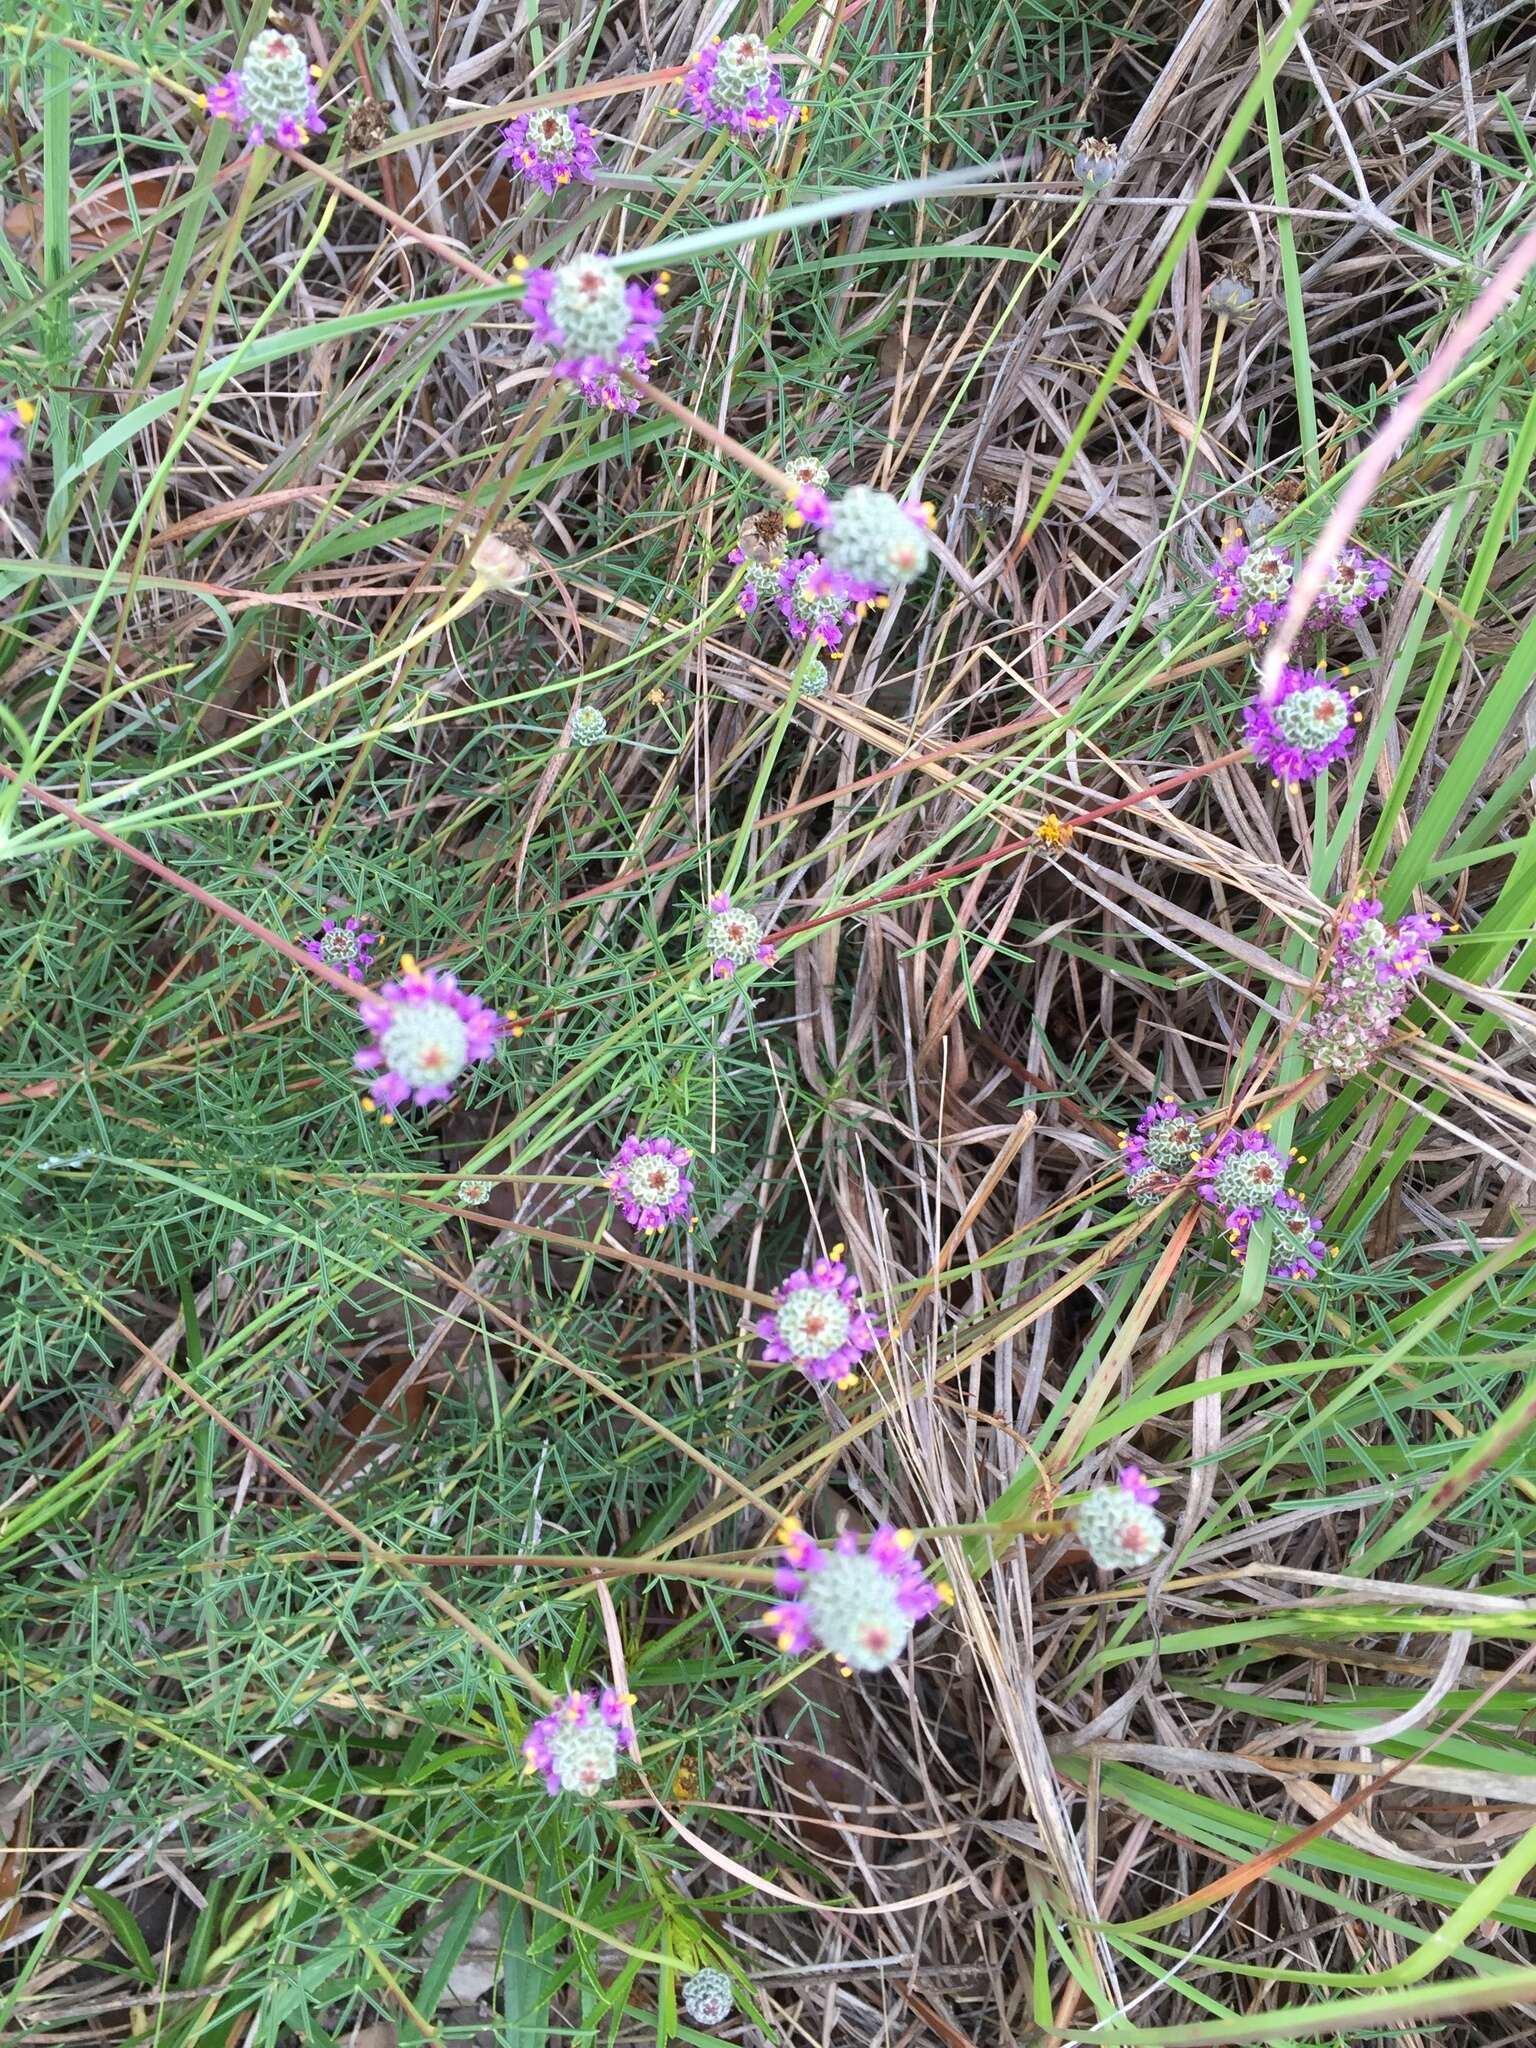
(14, 422)
(814, 603)
(1160, 1151)
(733, 83)
(345, 945)
(708, 1998)
(426, 1032)
(596, 325)
(1252, 584)
(1303, 727)
(874, 542)
(1243, 1173)
(819, 1324)
(589, 726)
(734, 937)
(1243, 1176)
(576, 1746)
(861, 1603)
(815, 678)
(648, 1177)
(552, 147)
(759, 580)
(1296, 1246)
(1373, 974)
(1252, 581)
(272, 92)
(1116, 1524)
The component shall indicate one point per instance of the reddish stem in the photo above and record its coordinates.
(321, 969)
(1008, 847)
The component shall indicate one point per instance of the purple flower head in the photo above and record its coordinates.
(1355, 581)
(648, 1177)
(735, 937)
(809, 505)
(344, 945)
(1372, 976)
(596, 325)
(426, 1032)
(576, 1745)
(819, 1325)
(551, 146)
(13, 447)
(1243, 1171)
(859, 1603)
(1131, 1482)
(1296, 1247)
(272, 93)
(1252, 584)
(735, 84)
(813, 601)
(1166, 1138)
(1307, 724)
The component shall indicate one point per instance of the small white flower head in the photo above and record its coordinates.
(708, 1997)
(743, 71)
(1314, 718)
(733, 934)
(814, 1322)
(1267, 574)
(1098, 164)
(473, 1192)
(807, 474)
(1146, 1186)
(1173, 1143)
(759, 586)
(426, 1043)
(276, 81)
(1235, 297)
(815, 678)
(589, 306)
(589, 728)
(584, 1754)
(875, 541)
(855, 1609)
(1118, 1531)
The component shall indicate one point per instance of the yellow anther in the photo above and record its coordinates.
(837, 1251)
(519, 263)
(407, 963)
(946, 1592)
(26, 411)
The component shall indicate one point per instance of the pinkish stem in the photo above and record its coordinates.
(1384, 450)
